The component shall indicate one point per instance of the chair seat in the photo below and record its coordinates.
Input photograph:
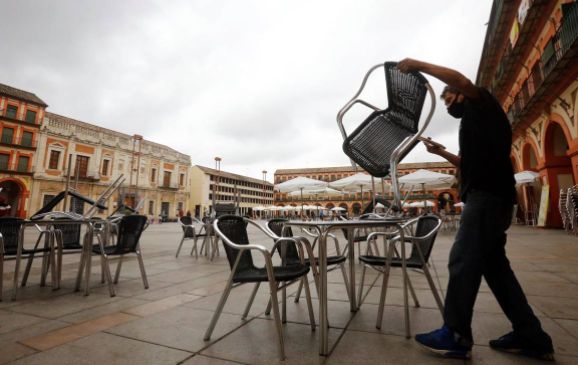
(72, 246)
(331, 260)
(11, 251)
(282, 273)
(395, 262)
(109, 250)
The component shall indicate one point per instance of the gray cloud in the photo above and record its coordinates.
(256, 82)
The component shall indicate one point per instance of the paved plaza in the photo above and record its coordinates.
(165, 324)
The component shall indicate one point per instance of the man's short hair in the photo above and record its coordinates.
(449, 89)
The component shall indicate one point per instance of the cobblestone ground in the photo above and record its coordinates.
(165, 324)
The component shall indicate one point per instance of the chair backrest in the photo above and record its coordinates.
(130, 229)
(425, 225)
(70, 235)
(373, 142)
(10, 229)
(276, 225)
(186, 223)
(235, 229)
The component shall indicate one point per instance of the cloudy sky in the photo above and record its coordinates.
(258, 83)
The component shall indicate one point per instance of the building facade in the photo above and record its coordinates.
(91, 158)
(21, 115)
(354, 203)
(210, 187)
(529, 64)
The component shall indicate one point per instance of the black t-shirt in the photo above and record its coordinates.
(485, 146)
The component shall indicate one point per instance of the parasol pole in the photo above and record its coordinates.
(373, 193)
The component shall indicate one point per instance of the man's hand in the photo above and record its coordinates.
(434, 148)
(408, 65)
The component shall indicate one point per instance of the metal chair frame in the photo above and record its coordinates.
(273, 285)
(407, 144)
(188, 234)
(392, 239)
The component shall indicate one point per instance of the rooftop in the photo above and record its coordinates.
(21, 94)
(231, 175)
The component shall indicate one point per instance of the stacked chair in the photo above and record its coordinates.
(377, 145)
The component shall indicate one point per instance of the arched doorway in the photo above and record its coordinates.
(529, 194)
(13, 196)
(558, 169)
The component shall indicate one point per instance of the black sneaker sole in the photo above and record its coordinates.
(546, 356)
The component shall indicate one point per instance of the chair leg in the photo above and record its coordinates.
(284, 304)
(276, 315)
(382, 297)
(1, 271)
(180, 245)
(80, 271)
(298, 294)
(219, 308)
(250, 302)
(346, 281)
(415, 301)
(118, 267)
(108, 275)
(27, 270)
(142, 269)
(361, 282)
(433, 289)
(309, 304)
(102, 269)
(195, 248)
(54, 276)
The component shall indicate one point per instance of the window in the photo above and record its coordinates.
(151, 207)
(153, 175)
(23, 163)
(30, 116)
(81, 166)
(167, 179)
(4, 158)
(54, 160)
(7, 134)
(104, 170)
(26, 140)
(11, 111)
(182, 179)
(47, 198)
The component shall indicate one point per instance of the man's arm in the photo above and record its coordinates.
(440, 151)
(451, 77)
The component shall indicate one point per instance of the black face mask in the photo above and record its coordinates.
(456, 109)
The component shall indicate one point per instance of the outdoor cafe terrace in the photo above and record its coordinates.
(165, 324)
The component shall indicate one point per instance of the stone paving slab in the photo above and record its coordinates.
(166, 323)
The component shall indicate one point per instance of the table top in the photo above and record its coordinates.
(350, 224)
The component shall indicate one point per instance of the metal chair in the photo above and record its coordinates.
(276, 226)
(384, 138)
(233, 231)
(422, 241)
(188, 228)
(11, 231)
(130, 229)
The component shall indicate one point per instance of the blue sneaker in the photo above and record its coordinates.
(540, 347)
(444, 342)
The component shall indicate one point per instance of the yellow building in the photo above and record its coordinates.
(529, 64)
(156, 176)
(212, 186)
(353, 202)
(21, 114)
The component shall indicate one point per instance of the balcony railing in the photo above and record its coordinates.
(19, 142)
(169, 185)
(90, 175)
(558, 46)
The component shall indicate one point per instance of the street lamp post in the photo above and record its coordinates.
(264, 186)
(216, 184)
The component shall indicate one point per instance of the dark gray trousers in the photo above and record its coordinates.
(479, 250)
